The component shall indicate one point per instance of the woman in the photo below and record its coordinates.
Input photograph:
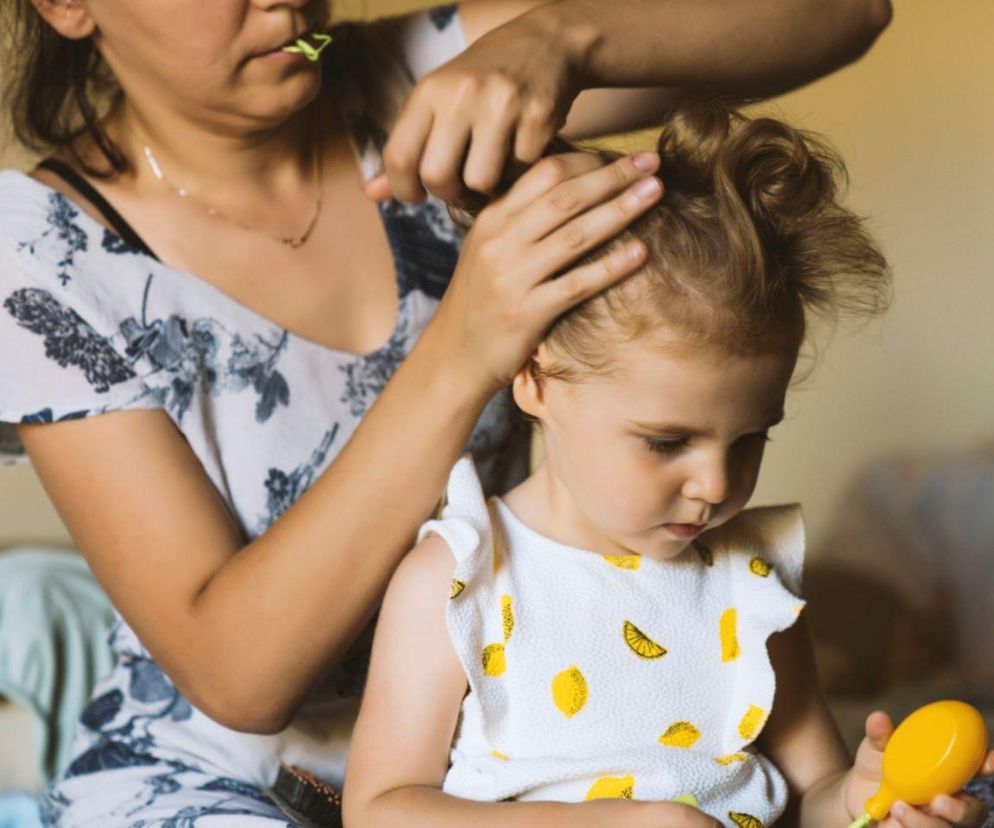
(202, 265)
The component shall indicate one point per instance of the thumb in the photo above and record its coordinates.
(879, 728)
(378, 189)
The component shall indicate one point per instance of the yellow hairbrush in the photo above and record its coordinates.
(936, 750)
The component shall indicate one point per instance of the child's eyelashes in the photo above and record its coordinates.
(665, 446)
(671, 445)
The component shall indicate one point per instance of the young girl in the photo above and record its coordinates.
(599, 634)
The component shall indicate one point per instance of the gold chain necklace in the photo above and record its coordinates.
(290, 241)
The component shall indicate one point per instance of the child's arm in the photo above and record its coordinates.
(400, 747)
(802, 740)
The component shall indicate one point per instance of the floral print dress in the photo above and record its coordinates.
(89, 324)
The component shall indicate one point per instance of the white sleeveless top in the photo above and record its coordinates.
(597, 675)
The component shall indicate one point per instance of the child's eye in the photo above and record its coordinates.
(665, 446)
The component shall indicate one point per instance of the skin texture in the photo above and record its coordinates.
(244, 629)
(608, 485)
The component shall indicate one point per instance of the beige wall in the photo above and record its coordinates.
(915, 123)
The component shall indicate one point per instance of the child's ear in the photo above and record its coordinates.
(68, 17)
(527, 385)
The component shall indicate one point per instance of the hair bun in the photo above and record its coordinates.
(778, 173)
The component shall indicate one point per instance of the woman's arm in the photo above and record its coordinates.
(400, 748)
(588, 68)
(246, 630)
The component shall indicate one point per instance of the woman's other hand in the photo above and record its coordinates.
(501, 299)
(863, 781)
(508, 92)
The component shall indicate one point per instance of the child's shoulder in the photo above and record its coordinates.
(767, 538)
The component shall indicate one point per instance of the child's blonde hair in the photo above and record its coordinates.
(747, 240)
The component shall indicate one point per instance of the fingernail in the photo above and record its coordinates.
(899, 809)
(646, 161)
(648, 188)
(633, 252)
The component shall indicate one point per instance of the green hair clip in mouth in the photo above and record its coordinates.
(309, 51)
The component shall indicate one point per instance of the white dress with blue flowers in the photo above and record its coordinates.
(90, 324)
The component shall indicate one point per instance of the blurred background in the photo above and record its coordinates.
(889, 444)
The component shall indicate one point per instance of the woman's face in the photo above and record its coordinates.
(216, 61)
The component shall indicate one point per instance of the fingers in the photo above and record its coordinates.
(558, 295)
(987, 769)
(879, 728)
(590, 192)
(959, 810)
(545, 176)
(593, 228)
(402, 153)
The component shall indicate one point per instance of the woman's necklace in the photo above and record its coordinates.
(290, 241)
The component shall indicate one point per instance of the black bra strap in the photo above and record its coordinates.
(90, 193)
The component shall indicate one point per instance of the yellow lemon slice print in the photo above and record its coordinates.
(498, 755)
(744, 820)
(680, 734)
(507, 616)
(456, 588)
(612, 788)
(729, 638)
(622, 561)
(569, 691)
(757, 566)
(640, 644)
(494, 662)
(752, 722)
(731, 758)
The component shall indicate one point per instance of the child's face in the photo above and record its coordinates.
(666, 446)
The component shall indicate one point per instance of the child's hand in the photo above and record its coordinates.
(863, 781)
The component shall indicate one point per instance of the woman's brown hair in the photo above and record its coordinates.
(55, 87)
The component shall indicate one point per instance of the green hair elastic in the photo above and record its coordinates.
(302, 47)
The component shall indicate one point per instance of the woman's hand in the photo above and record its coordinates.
(509, 91)
(863, 781)
(501, 299)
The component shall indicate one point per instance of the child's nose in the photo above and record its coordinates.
(709, 480)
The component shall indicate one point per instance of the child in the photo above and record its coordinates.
(599, 655)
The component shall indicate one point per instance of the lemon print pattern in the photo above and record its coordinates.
(569, 691)
(494, 660)
(681, 735)
(456, 588)
(728, 635)
(612, 788)
(506, 616)
(752, 722)
(745, 821)
(498, 755)
(731, 758)
(759, 566)
(640, 644)
(623, 561)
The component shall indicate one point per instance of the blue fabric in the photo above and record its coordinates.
(18, 810)
(54, 621)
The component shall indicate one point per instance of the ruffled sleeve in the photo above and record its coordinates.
(63, 357)
(464, 523)
(762, 550)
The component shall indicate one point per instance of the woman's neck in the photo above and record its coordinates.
(273, 162)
